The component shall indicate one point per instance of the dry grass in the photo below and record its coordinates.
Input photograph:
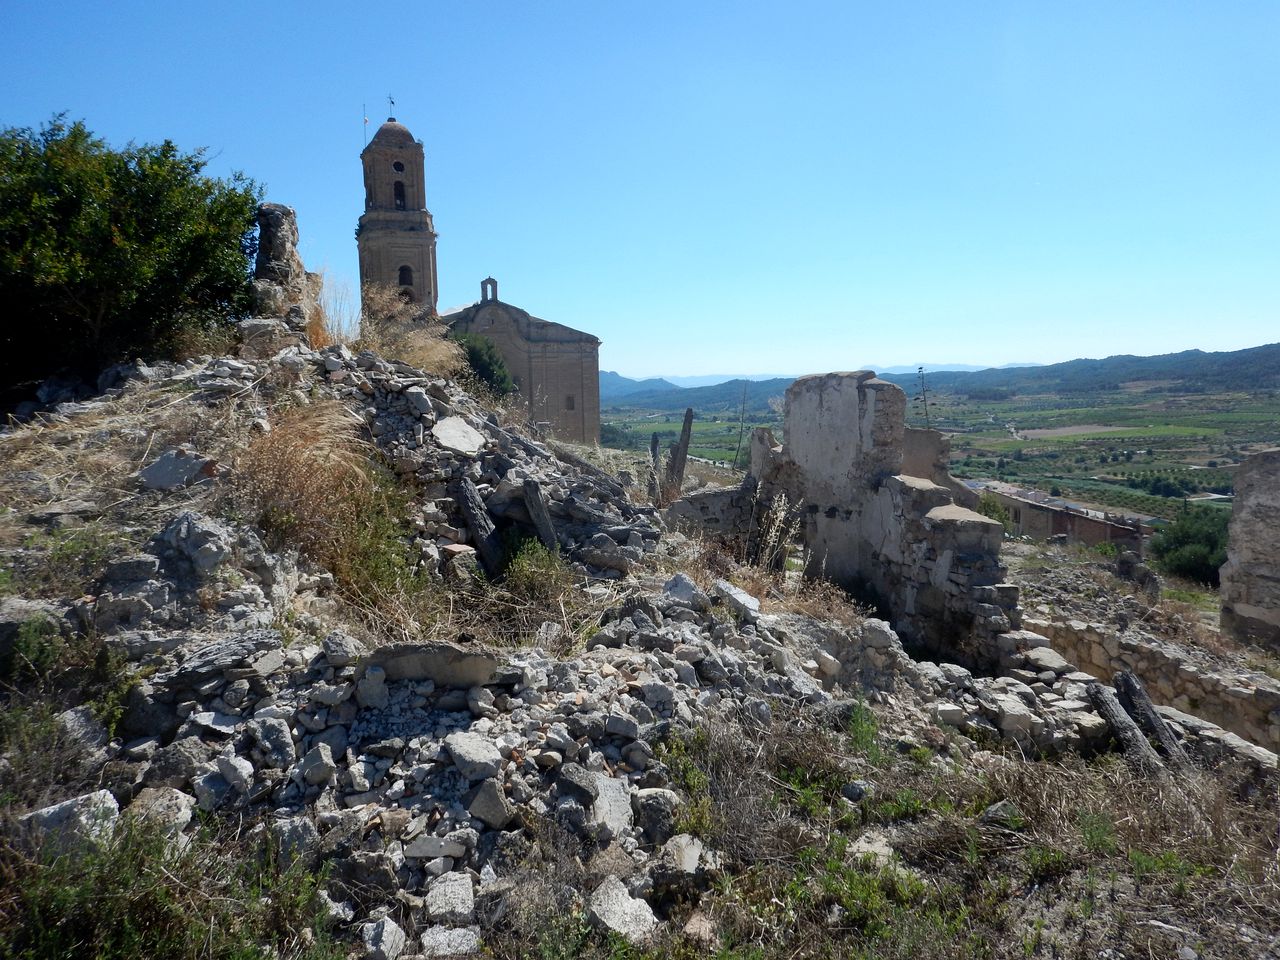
(559, 616)
(705, 559)
(93, 456)
(311, 484)
(398, 330)
(1093, 856)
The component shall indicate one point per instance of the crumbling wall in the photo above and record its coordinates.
(1244, 703)
(927, 453)
(1040, 521)
(281, 284)
(1251, 575)
(931, 564)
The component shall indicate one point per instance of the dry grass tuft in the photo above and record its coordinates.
(558, 616)
(311, 484)
(398, 330)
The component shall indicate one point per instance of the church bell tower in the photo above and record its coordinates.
(395, 237)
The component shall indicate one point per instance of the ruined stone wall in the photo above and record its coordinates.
(927, 453)
(1245, 703)
(932, 564)
(1040, 521)
(1251, 575)
(724, 513)
(282, 286)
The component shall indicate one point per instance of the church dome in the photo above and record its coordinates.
(393, 134)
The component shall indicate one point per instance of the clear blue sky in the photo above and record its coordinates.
(743, 187)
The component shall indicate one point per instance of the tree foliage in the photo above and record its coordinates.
(1194, 545)
(487, 363)
(108, 254)
(989, 505)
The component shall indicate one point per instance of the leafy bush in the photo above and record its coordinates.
(108, 254)
(1194, 545)
(536, 573)
(989, 505)
(141, 895)
(487, 363)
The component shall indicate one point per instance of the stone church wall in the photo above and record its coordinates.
(556, 368)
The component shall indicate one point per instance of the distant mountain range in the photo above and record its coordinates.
(614, 385)
(941, 367)
(710, 380)
(719, 398)
(1191, 371)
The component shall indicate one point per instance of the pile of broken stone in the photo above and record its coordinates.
(459, 452)
(417, 772)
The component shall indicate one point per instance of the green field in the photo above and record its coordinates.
(713, 438)
(1151, 448)
(1151, 451)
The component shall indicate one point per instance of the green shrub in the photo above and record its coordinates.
(1046, 863)
(487, 363)
(110, 254)
(66, 562)
(536, 573)
(1098, 831)
(140, 895)
(989, 505)
(864, 730)
(1194, 545)
(36, 650)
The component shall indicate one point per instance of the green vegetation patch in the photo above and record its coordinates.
(142, 895)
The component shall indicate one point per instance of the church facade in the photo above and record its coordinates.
(556, 368)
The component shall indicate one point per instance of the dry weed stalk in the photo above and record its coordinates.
(396, 329)
(307, 478)
(336, 316)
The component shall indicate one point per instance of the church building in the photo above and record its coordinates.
(556, 368)
(396, 238)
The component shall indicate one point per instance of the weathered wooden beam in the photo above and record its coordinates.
(655, 469)
(535, 502)
(679, 457)
(481, 525)
(1138, 752)
(1133, 697)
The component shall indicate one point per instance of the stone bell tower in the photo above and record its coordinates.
(395, 237)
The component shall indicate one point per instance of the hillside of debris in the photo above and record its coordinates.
(311, 653)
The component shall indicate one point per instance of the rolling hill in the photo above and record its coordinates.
(1191, 371)
(614, 385)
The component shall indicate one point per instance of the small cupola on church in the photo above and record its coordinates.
(396, 237)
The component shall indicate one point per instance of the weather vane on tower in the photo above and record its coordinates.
(391, 106)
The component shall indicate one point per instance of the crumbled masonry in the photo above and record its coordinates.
(417, 773)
